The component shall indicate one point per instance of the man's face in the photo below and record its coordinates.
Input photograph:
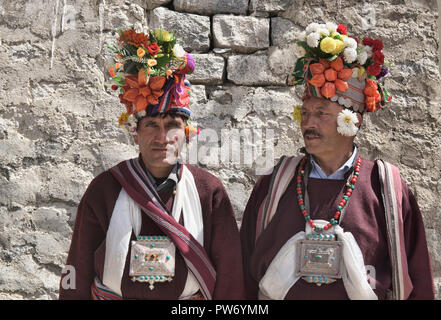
(160, 139)
(319, 127)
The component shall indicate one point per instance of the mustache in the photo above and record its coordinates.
(312, 132)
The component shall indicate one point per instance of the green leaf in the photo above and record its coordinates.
(118, 79)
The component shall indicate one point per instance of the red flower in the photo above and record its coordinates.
(342, 29)
(368, 42)
(377, 45)
(374, 69)
(378, 57)
(153, 49)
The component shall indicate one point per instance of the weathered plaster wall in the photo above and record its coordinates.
(58, 122)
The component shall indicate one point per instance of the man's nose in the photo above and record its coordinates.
(161, 134)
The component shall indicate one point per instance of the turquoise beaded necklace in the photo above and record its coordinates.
(349, 187)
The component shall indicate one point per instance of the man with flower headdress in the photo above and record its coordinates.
(153, 227)
(330, 224)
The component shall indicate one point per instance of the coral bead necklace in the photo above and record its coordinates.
(350, 185)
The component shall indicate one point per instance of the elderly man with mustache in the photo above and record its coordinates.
(330, 224)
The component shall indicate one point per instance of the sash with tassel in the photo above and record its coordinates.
(133, 179)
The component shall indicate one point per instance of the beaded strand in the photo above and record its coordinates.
(350, 186)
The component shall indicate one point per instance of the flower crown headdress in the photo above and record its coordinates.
(149, 70)
(342, 68)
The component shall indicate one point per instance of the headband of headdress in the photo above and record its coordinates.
(150, 73)
(341, 68)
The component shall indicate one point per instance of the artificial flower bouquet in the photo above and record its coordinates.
(142, 66)
(333, 57)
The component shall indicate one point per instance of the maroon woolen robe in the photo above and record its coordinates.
(364, 218)
(221, 241)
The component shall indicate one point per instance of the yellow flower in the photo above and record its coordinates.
(328, 45)
(339, 47)
(163, 35)
(140, 52)
(360, 72)
(123, 118)
(297, 114)
(152, 62)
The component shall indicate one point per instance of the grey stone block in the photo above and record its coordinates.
(193, 30)
(242, 34)
(209, 7)
(209, 69)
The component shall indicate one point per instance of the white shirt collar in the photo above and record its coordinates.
(317, 172)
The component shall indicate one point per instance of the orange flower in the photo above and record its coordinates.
(111, 72)
(345, 74)
(328, 90)
(330, 74)
(142, 93)
(140, 52)
(136, 39)
(318, 80)
(341, 85)
(337, 64)
(317, 68)
(152, 62)
(370, 104)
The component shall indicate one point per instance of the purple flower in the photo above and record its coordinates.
(383, 72)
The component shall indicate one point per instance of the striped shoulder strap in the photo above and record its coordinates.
(391, 190)
(281, 176)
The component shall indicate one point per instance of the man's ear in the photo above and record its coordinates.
(360, 120)
(135, 138)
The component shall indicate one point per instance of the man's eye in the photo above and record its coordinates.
(172, 125)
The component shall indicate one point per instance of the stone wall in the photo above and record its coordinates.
(58, 119)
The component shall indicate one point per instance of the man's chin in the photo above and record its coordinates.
(165, 161)
(311, 146)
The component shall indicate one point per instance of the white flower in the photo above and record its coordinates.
(346, 123)
(362, 57)
(302, 36)
(313, 39)
(355, 72)
(141, 114)
(323, 32)
(178, 51)
(368, 50)
(312, 27)
(350, 55)
(350, 43)
(331, 26)
(300, 51)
